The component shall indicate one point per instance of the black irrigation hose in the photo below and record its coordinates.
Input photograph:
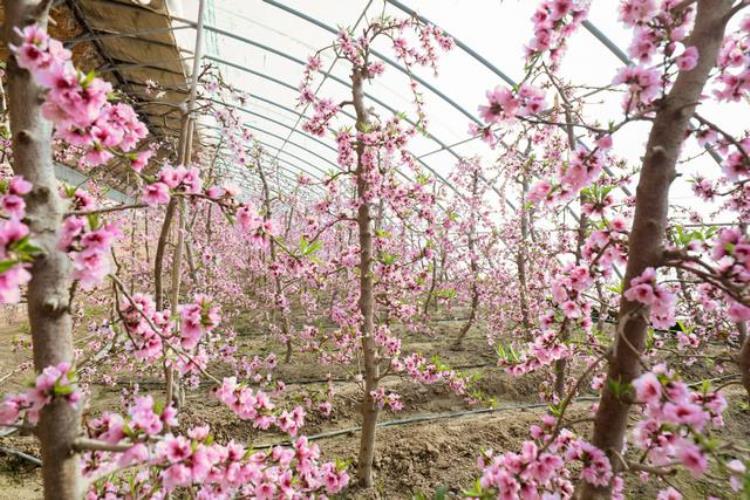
(423, 418)
(458, 414)
(393, 423)
(20, 454)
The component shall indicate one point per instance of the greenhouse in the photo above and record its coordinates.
(397, 249)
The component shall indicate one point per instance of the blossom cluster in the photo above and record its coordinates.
(554, 22)
(659, 299)
(197, 319)
(544, 467)
(382, 399)
(545, 349)
(88, 242)
(145, 420)
(505, 104)
(55, 382)
(256, 406)
(676, 420)
(583, 168)
(732, 253)
(734, 65)
(146, 326)
(170, 462)
(172, 179)
(425, 372)
(15, 250)
(658, 28)
(259, 230)
(644, 86)
(78, 104)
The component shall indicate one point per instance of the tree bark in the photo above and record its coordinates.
(522, 257)
(649, 226)
(277, 291)
(49, 289)
(433, 282)
(743, 360)
(366, 300)
(474, 269)
(562, 364)
(184, 158)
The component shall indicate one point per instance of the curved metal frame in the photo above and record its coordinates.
(601, 37)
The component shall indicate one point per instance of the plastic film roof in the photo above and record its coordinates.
(260, 46)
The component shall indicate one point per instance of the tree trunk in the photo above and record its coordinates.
(276, 279)
(48, 292)
(366, 300)
(474, 268)
(649, 226)
(433, 281)
(458, 344)
(521, 259)
(184, 158)
(743, 360)
(562, 364)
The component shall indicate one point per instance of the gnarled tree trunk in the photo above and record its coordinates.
(49, 290)
(649, 226)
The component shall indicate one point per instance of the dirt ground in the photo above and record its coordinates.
(431, 455)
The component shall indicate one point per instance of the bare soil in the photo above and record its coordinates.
(436, 454)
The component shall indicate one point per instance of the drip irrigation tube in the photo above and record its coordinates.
(389, 423)
(29, 458)
(424, 418)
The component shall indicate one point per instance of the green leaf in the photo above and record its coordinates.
(619, 389)
(555, 410)
(88, 79)
(93, 221)
(25, 249)
(475, 491)
(158, 407)
(62, 390)
(446, 293)
(440, 492)
(311, 249)
(6, 264)
(387, 258)
(342, 465)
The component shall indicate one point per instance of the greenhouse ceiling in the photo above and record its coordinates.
(260, 46)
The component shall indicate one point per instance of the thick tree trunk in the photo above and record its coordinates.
(649, 226)
(48, 292)
(366, 300)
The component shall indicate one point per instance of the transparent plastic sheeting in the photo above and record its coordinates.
(261, 45)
